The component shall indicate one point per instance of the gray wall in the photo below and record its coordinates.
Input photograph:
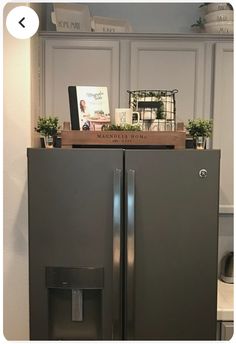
(152, 17)
(146, 17)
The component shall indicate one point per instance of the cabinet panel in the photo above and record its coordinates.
(69, 62)
(169, 65)
(223, 121)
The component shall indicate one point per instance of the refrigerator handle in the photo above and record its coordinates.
(117, 199)
(130, 256)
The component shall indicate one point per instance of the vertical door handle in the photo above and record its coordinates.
(117, 199)
(130, 254)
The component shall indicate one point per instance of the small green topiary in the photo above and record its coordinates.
(47, 126)
(200, 127)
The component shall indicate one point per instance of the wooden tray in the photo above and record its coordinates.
(123, 138)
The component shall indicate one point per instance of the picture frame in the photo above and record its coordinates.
(89, 107)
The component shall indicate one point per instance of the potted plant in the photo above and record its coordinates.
(48, 128)
(200, 130)
(199, 25)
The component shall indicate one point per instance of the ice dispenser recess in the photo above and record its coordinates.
(75, 302)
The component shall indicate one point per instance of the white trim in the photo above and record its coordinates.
(226, 209)
(150, 36)
(208, 81)
(124, 72)
(218, 117)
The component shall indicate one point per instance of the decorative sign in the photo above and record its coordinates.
(175, 139)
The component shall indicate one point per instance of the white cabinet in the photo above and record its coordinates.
(69, 62)
(199, 66)
(171, 65)
(223, 121)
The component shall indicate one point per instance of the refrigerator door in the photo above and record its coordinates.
(171, 250)
(74, 243)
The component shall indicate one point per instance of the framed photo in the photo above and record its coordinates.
(89, 107)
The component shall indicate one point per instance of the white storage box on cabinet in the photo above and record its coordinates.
(105, 24)
(219, 16)
(71, 18)
(220, 27)
(213, 7)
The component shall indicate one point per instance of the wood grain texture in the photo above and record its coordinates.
(77, 137)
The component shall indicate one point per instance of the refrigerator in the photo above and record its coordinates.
(123, 244)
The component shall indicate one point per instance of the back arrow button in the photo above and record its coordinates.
(20, 22)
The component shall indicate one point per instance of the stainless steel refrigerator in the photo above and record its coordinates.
(123, 244)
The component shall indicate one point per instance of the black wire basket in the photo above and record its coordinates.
(156, 108)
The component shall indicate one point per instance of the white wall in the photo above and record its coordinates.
(20, 102)
(17, 137)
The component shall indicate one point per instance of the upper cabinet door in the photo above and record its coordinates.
(223, 121)
(170, 65)
(71, 62)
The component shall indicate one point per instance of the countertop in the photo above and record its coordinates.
(225, 301)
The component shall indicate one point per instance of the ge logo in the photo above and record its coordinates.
(203, 173)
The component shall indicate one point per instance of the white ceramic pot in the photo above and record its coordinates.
(219, 16)
(219, 27)
(220, 6)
